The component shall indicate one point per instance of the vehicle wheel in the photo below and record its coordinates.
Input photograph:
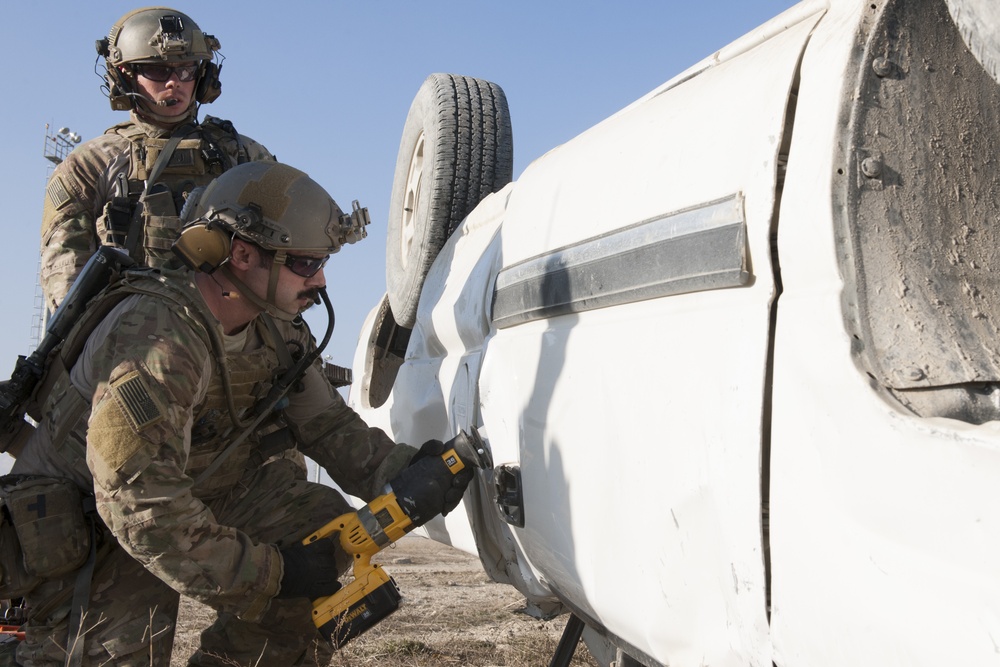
(456, 149)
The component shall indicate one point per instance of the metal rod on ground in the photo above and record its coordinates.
(567, 643)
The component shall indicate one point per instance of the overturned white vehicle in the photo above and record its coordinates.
(735, 350)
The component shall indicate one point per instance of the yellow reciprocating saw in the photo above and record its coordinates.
(410, 500)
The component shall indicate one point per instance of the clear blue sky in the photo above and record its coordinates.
(326, 87)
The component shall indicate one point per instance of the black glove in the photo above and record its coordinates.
(459, 482)
(427, 487)
(310, 571)
(429, 448)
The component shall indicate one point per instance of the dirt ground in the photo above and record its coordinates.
(451, 614)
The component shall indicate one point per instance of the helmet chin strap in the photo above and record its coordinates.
(268, 305)
(272, 282)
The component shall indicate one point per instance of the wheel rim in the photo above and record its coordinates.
(411, 201)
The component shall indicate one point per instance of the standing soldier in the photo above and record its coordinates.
(128, 187)
(145, 414)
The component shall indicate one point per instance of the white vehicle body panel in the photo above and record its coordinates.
(653, 434)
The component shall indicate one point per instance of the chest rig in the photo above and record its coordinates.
(250, 374)
(148, 184)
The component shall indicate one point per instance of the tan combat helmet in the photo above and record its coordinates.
(273, 206)
(157, 35)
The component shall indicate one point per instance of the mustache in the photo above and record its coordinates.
(312, 294)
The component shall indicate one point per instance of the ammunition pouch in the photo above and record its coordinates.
(44, 533)
(163, 225)
(117, 217)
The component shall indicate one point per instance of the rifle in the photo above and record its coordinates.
(16, 393)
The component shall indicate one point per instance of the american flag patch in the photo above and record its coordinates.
(57, 193)
(133, 398)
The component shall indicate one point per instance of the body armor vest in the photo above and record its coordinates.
(251, 374)
(211, 148)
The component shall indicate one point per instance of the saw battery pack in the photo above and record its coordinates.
(374, 600)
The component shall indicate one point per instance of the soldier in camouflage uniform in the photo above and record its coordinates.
(163, 385)
(159, 66)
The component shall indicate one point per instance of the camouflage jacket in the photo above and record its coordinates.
(142, 413)
(91, 194)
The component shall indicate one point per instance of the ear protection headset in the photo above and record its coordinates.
(209, 86)
(203, 245)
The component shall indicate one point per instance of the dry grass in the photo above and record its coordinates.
(451, 614)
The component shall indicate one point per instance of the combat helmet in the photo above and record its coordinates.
(157, 35)
(272, 205)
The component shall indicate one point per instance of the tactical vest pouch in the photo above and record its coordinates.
(115, 221)
(43, 530)
(163, 225)
(15, 581)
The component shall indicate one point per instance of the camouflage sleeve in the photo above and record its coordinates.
(138, 443)
(65, 251)
(359, 458)
(69, 237)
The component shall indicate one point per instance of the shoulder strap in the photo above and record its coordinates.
(280, 346)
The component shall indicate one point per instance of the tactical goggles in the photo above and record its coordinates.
(161, 73)
(307, 267)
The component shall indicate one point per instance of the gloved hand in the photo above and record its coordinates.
(429, 448)
(427, 487)
(310, 570)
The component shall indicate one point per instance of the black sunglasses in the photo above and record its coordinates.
(307, 267)
(161, 73)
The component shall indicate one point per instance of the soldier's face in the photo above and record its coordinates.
(167, 98)
(293, 293)
(302, 292)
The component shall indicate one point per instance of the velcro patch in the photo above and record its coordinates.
(58, 194)
(110, 435)
(132, 396)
